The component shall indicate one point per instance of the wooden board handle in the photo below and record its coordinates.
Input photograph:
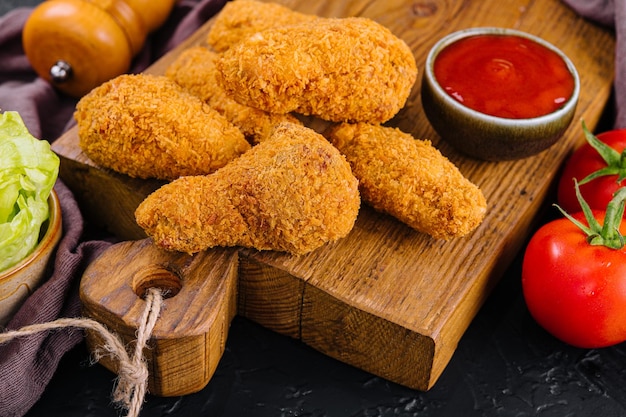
(189, 337)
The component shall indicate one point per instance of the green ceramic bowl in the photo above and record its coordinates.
(488, 137)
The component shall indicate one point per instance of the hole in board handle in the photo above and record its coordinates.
(156, 276)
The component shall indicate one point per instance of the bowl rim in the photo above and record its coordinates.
(50, 237)
(564, 110)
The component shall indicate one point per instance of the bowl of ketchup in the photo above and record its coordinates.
(499, 94)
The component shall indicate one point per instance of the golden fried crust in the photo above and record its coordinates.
(239, 19)
(410, 179)
(194, 69)
(343, 69)
(147, 126)
(293, 192)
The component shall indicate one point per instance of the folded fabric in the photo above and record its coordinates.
(610, 13)
(27, 364)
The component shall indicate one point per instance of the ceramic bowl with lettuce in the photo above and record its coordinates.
(30, 213)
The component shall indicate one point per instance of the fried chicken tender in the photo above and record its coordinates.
(338, 69)
(147, 126)
(293, 192)
(194, 69)
(239, 19)
(410, 180)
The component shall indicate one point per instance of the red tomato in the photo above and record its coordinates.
(584, 161)
(574, 290)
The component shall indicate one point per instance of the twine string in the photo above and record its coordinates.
(132, 381)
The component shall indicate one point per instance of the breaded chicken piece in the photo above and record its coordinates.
(239, 19)
(343, 69)
(147, 126)
(410, 180)
(293, 192)
(194, 69)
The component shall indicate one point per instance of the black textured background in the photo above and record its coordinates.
(505, 365)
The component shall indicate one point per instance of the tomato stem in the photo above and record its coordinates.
(615, 162)
(607, 234)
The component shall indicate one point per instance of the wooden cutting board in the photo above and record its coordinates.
(387, 299)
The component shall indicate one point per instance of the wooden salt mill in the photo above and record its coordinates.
(77, 45)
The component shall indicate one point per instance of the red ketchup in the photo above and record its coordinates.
(505, 76)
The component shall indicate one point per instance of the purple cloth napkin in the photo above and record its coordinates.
(610, 13)
(27, 364)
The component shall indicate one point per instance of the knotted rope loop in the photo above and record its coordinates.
(132, 382)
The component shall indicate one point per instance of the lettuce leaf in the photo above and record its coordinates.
(28, 171)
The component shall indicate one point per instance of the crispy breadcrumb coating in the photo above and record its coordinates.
(147, 126)
(410, 179)
(342, 69)
(293, 192)
(194, 69)
(239, 19)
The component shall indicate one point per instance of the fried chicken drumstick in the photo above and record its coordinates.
(343, 69)
(293, 192)
(147, 126)
(410, 180)
(239, 19)
(194, 70)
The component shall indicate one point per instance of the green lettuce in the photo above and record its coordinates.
(28, 171)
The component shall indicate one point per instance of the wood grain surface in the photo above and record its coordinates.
(387, 299)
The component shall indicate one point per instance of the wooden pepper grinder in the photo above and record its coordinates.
(77, 45)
